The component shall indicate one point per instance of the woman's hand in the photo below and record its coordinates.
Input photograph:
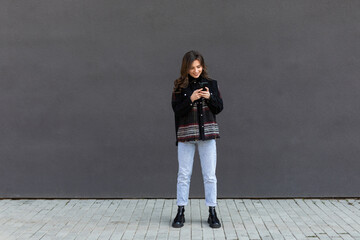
(205, 94)
(196, 95)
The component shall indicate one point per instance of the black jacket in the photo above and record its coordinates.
(197, 120)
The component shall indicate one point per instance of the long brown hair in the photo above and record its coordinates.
(188, 59)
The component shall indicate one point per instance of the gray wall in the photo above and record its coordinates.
(85, 90)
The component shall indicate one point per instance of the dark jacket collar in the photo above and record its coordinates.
(192, 80)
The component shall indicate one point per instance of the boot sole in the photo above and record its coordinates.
(213, 226)
(178, 225)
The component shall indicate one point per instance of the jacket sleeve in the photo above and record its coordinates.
(215, 102)
(181, 104)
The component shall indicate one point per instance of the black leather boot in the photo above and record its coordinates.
(213, 220)
(180, 218)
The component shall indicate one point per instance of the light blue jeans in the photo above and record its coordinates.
(207, 153)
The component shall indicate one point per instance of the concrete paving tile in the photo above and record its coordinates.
(151, 219)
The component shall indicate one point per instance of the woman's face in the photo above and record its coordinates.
(195, 69)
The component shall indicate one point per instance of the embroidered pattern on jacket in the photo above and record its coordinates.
(189, 126)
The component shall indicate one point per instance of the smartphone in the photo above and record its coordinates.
(203, 85)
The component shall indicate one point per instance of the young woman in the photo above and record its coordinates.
(196, 100)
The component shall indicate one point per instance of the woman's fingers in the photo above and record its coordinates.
(205, 94)
(198, 93)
